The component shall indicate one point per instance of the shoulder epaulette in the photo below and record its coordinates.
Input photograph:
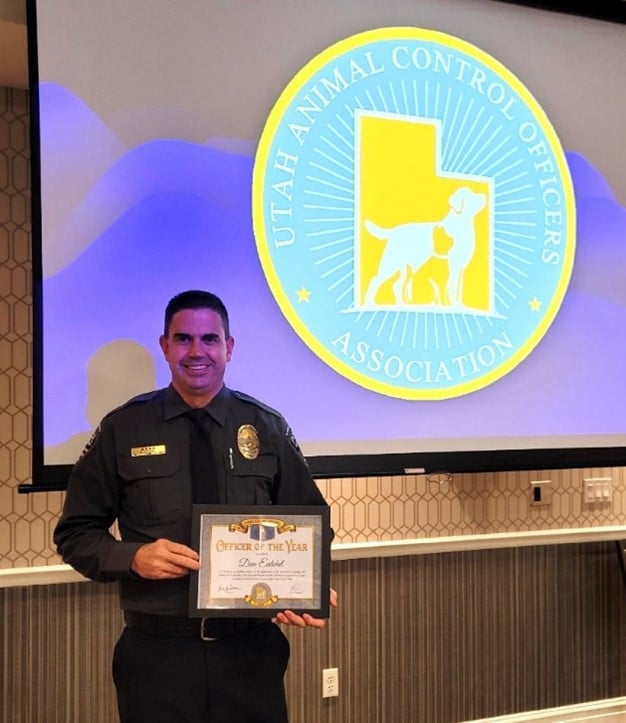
(251, 400)
(145, 397)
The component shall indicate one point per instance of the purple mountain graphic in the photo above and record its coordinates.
(188, 225)
(599, 269)
(77, 147)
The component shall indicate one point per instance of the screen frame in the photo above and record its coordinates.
(47, 478)
(610, 10)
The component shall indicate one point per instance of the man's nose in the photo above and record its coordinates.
(196, 347)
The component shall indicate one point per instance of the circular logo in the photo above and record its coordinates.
(413, 213)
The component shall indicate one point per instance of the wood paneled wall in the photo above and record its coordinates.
(437, 638)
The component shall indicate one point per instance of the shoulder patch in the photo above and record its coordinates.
(91, 442)
(251, 400)
(292, 439)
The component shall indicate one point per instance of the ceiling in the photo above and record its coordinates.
(13, 50)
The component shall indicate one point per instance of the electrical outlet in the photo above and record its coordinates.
(330, 682)
(541, 492)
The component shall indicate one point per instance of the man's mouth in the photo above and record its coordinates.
(196, 368)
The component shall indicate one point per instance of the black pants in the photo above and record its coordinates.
(168, 679)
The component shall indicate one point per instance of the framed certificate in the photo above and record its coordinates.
(258, 560)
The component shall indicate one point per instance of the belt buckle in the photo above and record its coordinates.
(208, 638)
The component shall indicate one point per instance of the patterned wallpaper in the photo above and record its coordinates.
(395, 508)
(363, 509)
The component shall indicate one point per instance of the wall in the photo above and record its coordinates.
(456, 635)
(435, 638)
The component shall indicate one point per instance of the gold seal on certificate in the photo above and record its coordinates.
(258, 560)
(261, 596)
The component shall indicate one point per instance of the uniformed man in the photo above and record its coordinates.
(138, 470)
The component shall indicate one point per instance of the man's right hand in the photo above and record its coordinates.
(164, 559)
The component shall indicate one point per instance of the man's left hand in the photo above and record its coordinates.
(288, 617)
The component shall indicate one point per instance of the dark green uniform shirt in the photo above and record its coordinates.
(136, 470)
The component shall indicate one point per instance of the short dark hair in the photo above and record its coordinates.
(195, 299)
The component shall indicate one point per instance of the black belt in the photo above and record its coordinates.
(205, 628)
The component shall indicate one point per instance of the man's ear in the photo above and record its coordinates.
(163, 344)
(230, 344)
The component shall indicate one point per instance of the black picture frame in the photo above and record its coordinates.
(256, 541)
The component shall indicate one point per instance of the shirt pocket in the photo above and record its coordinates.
(152, 489)
(251, 481)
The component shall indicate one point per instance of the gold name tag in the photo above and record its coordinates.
(147, 451)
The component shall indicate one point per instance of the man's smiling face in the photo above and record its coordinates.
(197, 350)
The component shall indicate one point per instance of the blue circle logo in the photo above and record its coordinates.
(414, 213)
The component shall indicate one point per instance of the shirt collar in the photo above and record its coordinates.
(174, 405)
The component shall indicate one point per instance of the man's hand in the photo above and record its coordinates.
(288, 617)
(164, 559)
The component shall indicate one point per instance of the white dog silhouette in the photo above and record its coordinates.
(411, 245)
